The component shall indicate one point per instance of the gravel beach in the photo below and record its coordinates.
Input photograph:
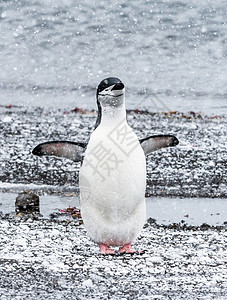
(195, 168)
(54, 259)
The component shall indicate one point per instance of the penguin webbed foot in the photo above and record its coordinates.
(104, 249)
(126, 249)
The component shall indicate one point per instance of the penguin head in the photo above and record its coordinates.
(110, 92)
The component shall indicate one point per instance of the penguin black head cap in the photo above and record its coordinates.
(107, 82)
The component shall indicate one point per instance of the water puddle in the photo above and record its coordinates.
(194, 211)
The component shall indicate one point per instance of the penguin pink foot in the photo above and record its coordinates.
(104, 249)
(126, 249)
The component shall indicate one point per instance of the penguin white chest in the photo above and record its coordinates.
(112, 185)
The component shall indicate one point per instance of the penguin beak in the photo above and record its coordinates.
(118, 86)
(111, 96)
(114, 90)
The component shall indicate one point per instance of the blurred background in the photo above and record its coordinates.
(171, 55)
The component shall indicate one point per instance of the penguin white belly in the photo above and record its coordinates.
(112, 187)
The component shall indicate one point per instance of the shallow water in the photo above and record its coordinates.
(194, 211)
(171, 55)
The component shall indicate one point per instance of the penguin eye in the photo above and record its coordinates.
(109, 88)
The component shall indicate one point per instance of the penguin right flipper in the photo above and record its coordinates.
(70, 150)
(155, 142)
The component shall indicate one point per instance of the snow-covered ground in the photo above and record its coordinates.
(55, 260)
(195, 168)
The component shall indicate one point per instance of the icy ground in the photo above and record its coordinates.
(47, 259)
(195, 168)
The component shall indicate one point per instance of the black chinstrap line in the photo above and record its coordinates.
(110, 95)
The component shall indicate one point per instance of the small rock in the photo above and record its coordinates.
(27, 202)
(87, 283)
(7, 119)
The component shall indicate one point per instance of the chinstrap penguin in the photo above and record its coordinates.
(112, 176)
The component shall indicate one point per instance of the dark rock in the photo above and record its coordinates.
(27, 203)
(205, 226)
(151, 221)
(54, 215)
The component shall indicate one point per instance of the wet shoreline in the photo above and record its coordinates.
(162, 210)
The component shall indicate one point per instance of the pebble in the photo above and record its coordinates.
(195, 170)
(7, 119)
(40, 259)
(177, 263)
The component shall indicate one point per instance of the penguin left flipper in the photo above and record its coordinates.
(155, 142)
(70, 150)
